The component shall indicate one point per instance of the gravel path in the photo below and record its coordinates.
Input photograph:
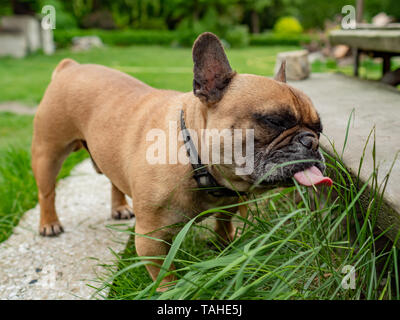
(17, 107)
(33, 267)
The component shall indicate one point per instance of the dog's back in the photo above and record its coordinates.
(99, 106)
(76, 91)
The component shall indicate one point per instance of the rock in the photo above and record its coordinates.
(381, 19)
(86, 43)
(340, 51)
(392, 78)
(297, 65)
(13, 43)
(28, 25)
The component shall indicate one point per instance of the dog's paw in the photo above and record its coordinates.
(51, 229)
(122, 213)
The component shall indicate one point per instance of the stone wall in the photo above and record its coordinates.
(21, 35)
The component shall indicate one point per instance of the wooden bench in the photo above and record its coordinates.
(380, 42)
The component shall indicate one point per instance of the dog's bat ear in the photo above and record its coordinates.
(281, 75)
(212, 72)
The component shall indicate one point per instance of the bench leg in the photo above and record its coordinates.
(356, 54)
(386, 64)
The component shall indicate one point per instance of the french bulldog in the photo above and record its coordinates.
(110, 113)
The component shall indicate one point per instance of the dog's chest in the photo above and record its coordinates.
(204, 202)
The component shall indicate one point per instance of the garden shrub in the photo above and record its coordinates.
(238, 36)
(288, 25)
(188, 31)
(220, 24)
(151, 24)
(274, 39)
(128, 37)
(99, 19)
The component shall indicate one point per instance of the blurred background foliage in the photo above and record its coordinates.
(233, 20)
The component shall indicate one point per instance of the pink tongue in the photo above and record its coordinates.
(312, 176)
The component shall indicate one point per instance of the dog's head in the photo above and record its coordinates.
(285, 123)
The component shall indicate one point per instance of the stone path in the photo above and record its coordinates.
(17, 107)
(375, 104)
(33, 267)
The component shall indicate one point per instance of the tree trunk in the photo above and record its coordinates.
(255, 22)
(359, 10)
(195, 13)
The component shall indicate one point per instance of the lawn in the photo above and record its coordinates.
(161, 67)
(288, 249)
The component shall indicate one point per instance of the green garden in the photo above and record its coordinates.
(288, 249)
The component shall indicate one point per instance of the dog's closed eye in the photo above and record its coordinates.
(278, 123)
(275, 122)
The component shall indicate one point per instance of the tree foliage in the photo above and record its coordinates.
(258, 15)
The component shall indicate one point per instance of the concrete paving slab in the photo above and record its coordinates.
(33, 267)
(375, 104)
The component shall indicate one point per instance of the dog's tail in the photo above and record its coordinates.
(62, 65)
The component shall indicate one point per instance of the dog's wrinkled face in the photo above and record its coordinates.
(286, 136)
(285, 122)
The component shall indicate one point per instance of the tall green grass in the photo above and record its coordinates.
(288, 248)
(18, 190)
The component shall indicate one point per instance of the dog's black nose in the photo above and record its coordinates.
(308, 140)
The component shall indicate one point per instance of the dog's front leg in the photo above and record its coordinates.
(224, 227)
(148, 247)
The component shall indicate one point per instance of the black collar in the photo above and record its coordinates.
(204, 179)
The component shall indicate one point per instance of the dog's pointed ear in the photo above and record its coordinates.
(281, 75)
(212, 72)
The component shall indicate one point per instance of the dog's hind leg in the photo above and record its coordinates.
(119, 207)
(47, 160)
(83, 143)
